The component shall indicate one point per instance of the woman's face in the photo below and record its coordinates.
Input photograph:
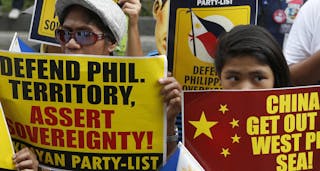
(77, 19)
(161, 14)
(246, 73)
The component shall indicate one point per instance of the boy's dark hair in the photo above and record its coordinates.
(95, 19)
(255, 41)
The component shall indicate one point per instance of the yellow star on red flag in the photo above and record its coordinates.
(235, 139)
(234, 123)
(223, 108)
(225, 152)
(203, 126)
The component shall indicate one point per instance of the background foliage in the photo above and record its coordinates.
(146, 7)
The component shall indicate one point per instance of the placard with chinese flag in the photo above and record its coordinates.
(261, 130)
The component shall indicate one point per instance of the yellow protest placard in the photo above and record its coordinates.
(6, 147)
(85, 112)
(44, 22)
(198, 71)
(194, 30)
(48, 20)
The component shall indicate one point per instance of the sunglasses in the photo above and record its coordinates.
(82, 37)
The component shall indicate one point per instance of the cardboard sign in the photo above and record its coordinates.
(86, 112)
(254, 130)
(44, 22)
(194, 28)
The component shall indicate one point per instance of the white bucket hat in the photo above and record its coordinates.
(109, 12)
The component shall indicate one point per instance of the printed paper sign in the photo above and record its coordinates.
(194, 28)
(44, 22)
(85, 112)
(254, 130)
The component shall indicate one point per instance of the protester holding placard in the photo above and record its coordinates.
(95, 27)
(250, 129)
(248, 57)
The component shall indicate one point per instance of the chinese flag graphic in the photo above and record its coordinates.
(261, 130)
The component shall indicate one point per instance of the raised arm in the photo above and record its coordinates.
(132, 9)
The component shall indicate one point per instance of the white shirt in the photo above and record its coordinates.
(304, 36)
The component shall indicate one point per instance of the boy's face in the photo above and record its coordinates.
(161, 14)
(246, 73)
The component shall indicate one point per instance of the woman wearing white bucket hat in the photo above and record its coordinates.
(94, 27)
(90, 26)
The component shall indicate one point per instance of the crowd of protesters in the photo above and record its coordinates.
(97, 27)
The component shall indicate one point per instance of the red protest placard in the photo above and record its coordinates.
(254, 130)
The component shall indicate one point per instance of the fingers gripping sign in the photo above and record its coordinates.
(171, 92)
